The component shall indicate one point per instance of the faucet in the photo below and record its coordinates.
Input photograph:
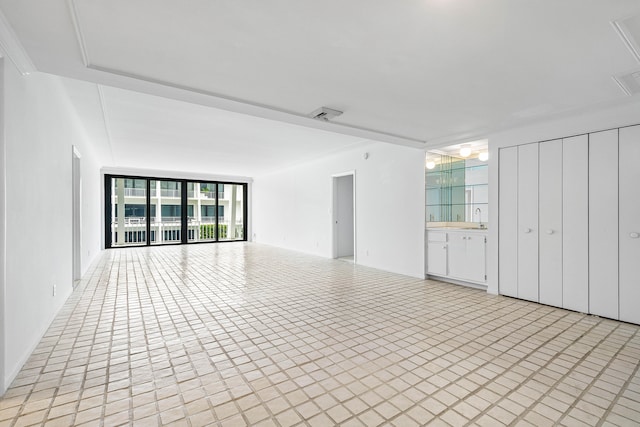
(478, 212)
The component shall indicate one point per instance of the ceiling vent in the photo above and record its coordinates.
(629, 83)
(629, 31)
(324, 113)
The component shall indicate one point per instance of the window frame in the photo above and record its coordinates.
(108, 180)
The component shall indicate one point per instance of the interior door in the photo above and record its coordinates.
(575, 223)
(344, 216)
(508, 224)
(603, 223)
(629, 227)
(550, 235)
(528, 222)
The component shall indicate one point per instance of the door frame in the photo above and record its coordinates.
(334, 214)
(76, 177)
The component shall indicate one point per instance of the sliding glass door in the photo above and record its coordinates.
(231, 205)
(166, 212)
(128, 212)
(157, 211)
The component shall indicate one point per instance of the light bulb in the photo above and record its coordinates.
(465, 151)
(484, 156)
(431, 164)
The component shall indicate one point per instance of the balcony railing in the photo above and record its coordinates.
(169, 193)
(212, 194)
(135, 230)
(135, 192)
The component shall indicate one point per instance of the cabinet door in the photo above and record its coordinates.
(458, 255)
(575, 223)
(476, 258)
(550, 202)
(528, 222)
(603, 223)
(629, 227)
(508, 222)
(437, 258)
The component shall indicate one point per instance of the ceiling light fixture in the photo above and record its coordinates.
(465, 150)
(484, 156)
(431, 164)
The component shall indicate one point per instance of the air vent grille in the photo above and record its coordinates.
(629, 83)
(325, 114)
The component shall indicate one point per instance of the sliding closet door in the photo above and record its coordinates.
(550, 202)
(528, 222)
(575, 223)
(603, 223)
(629, 227)
(508, 223)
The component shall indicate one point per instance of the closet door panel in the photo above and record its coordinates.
(550, 234)
(528, 222)
(575, 223)
(603, 223)
(508, 222)
(629, 226)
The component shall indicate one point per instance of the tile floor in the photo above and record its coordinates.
(243, 334)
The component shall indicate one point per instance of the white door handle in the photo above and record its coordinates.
(549, 231)
(527, 230)
(634, 235)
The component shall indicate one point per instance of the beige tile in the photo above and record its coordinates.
(242, 334)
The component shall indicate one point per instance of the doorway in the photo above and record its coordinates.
(76, 215)
(344, 226)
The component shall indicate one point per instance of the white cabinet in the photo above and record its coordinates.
(508, 224)
(629, 225)
(603, 223)
(550, 208)
(569, 223)
(457, 254)
(575, 223)
(437, 253)
(528, 222)
(467, 259)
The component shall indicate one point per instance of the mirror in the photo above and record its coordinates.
(456, 190)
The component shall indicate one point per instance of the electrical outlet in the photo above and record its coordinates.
(54, 290)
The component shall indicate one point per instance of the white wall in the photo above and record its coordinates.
(292, 209)
(606, 118)
(40, 128)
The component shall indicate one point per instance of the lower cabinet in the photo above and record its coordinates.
(458, 255)
(437, 253)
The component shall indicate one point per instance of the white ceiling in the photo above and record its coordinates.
(402, 71)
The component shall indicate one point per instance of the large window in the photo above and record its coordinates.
(215, 211)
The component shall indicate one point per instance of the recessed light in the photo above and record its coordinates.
(465, 151)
